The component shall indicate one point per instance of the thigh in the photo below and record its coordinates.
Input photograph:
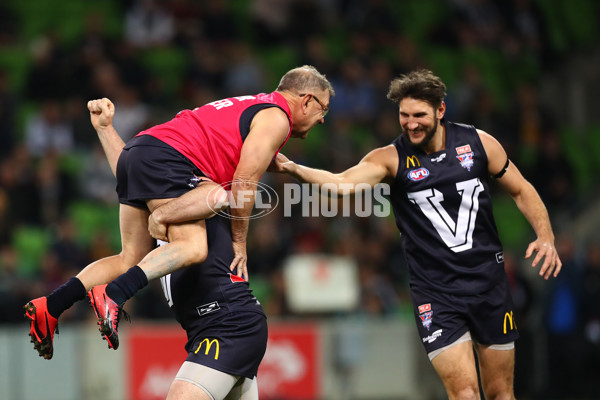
(183, 390)
(456, 367)
(246, 389)
(135, 244)
(497, 371)
(201, 202)
(196, 381)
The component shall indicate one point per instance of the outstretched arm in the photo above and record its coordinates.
(529, 203)
(102, 112)
(379, 164)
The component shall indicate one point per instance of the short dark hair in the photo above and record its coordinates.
(303, 79)
(421, 84)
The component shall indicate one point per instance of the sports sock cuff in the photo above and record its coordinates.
(65, 296)
(127, 285)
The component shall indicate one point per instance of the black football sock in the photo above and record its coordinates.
(126, 285)
(65, 296)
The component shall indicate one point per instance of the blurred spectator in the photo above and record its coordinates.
(378, 294)
(9, 26)
(525, 26)
(149, 23)
(464, 94)
(267, 245)
(84, 136)
(206, 71)
(8, 109)
(562, 316)
(355, 96)
(69, 252)
(48, 77)
(105, 80)
(187, 16)
(486, 115)
(96, 180)
(55, 188)
(533, 118)
(270, 19)
(128, 66)
(47, 131)
(315, 51)
(480, 22)
(91, 49)
(406, 54)
(375, 18)
(218, 22)
(132, 114)
(244, 74)
(13, 287)
(305, 16)
(386, 127)
(100, 246)
(591, 318)
(553, 175)
(5, 231)
(18, 181)
(380, 73)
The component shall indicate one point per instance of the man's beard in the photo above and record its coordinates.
(428, 136)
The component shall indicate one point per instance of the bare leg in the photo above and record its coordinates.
(187, 245)
(497, 372)
(187, 240)
(136, 242)
(456, 368)
(182, 390)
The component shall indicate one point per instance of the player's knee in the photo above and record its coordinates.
(196, 253)
(501, 396)
(499, 393)
(467, 393)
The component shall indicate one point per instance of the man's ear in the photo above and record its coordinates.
(304, 104)
(441, 110)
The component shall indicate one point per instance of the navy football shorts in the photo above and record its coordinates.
(151, 169)
(234, 343)
(443, 318)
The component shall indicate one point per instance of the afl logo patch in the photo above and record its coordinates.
(418, 174)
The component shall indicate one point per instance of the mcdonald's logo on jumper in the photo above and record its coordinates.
(413, 161)
(209, 344)
(508, 317)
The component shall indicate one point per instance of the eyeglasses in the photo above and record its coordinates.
(324, 108)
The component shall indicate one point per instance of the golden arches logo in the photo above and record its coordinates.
(510, 318)
(209, 344)
(413, 161)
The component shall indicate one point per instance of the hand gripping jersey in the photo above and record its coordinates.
(443, 209)
(211, 136)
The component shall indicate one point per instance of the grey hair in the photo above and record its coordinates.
(303, 79)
